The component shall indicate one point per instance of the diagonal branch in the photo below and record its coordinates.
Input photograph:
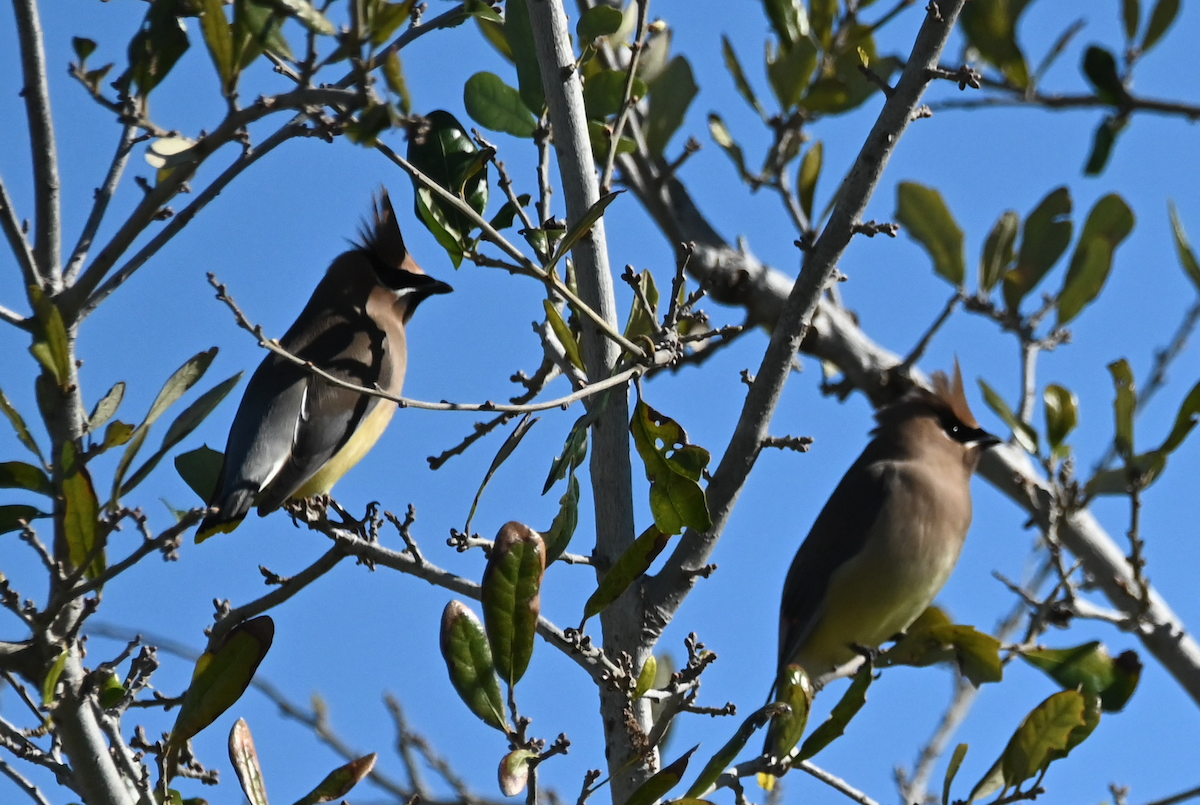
(104, 194)
(16, 237)
(668, 589)
(36, 91)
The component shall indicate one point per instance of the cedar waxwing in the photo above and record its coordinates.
(889, 535)
(295, 434)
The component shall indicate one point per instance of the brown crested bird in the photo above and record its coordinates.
(890, 534)
(295, 434)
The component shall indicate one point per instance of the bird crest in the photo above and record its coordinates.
(954, 396)
(380, 236)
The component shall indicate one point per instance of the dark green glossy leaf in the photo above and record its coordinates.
(340, 781)
(511, 598)
(1100, 67)
(1131, 15)
(998, 251)
(83, 47)
(1109, 223)
(1103, 142)
(514, 767)
(481, 9)
(200, 469)
(494, 105)
(806, 181)
(244, 757)
(598, 21)
(508, 213)
(14, 517)
(659, 784)
(107, 406)
(790, 71)
(157, 46)
(643, 322)
(706, 780)
(734, 66)
(110, 690)
(674, 468)
(1090, 669)
(1044, 239)
(565, 522)
(922, 211)
(519, 33)
(1062, 414)
(506, 450)
(1187, 257)
(952, 768)
(50, 345)
(788, 18)
(18, 423)
(991, 28)
(1026, 436)
(670, 96)
(182, 427)
(604, 92)
(573, 453)
(221, 676)
(722, 137)
(1161, 19)
(628, 568)
(81, 516)
(448, 156)
(795, 690)
(582, 227)
(469, 661)
(19, 475)
(219, 38)
(846, 708)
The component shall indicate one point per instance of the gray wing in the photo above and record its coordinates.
(836, 537)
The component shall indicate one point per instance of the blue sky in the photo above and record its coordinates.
(355, 633)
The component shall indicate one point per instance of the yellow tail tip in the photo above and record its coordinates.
(218, 528)
(766, 781)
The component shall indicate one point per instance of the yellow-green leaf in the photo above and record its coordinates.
(511, 598)
(469, 662)
(626, 570)
(674, 468)
(922, 211)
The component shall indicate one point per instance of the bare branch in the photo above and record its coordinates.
(100, 205)
(16, 238)
(25, 785)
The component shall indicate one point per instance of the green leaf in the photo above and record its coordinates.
(628, 568)
(257, 27)
(822, 15)
(1185, 420)
(157, 46)
(846, 708)
(493, 32)
(952, 767)
(722, 137)
(1109, 223)
(998, 251)
(598, 21)
(990, 27)
(1026, 436)
(1090, 669)
(50, 345)
(674, 468)
(795, 690)
(393, 74)
(22, 430)
(600, 134)
(384, 19)
(923, 212)
(506, 450)
(81, 515)
(1043, 734)
(511, 598)
(574, 450)
(734, 66)
(340, 781)
(19, 475)
(182, 427)
(448, 157)
(1103, 142)
(308, 16)
(562, 331)
(469, 662)
(659, 784)
(806, 181)
(645, 680)
(670, 96)
(706, 780)
(790, 72)
(480, 9)
(603, 93)
(221, 676)
(371, 122)
(1161, 19)
(1100, 67)
(1062, 414)
(1131, 15)
(495, 105)
(515, 766)
(1044, 239)
(83, 47)
(558, 538)
(932, 639)
(582, 227)
(15, 517)
(508, 213)
(519, 34)
(643, 322)
(1124, 406)
(219, 38)
(107, 406)
(244, 757)
(788, 18)
(1187, 257)
(1142, 470)
(110, 690)
(200, 469)
(50, 683)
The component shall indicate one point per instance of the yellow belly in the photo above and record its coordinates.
(364, 438)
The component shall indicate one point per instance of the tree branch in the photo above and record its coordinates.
(16, 238)
(104, 194)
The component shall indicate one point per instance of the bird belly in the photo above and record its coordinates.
(364, 438)
(879, 593)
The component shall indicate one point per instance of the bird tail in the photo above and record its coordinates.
(229, 515)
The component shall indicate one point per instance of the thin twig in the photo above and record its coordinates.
(614, 139)
(835, 782)
(1177, 798)
(22, 783)
(104, 194)
(919, 350)
(16, 237)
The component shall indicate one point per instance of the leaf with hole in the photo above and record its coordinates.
(674, 468)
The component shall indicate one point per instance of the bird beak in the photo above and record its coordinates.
(985, 440)
(427, 285)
